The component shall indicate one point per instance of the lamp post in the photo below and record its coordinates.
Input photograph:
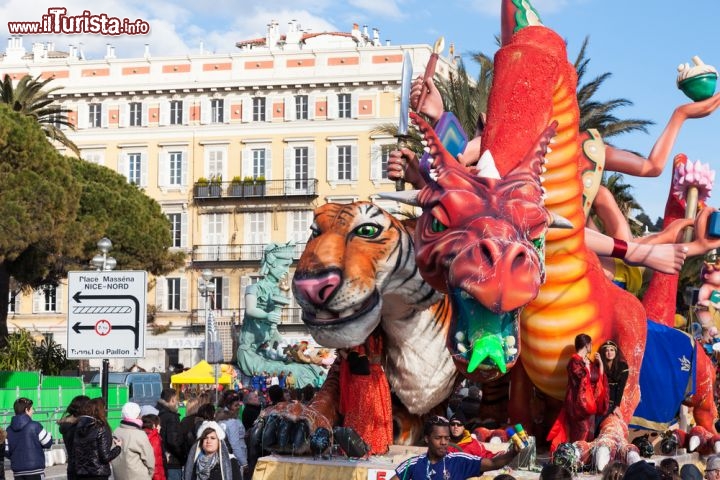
(102, 262)
(206, 288)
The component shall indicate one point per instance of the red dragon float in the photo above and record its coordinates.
(518, 291)
(486, 243)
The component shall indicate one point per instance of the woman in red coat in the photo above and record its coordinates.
(586, 396)
(151, 425)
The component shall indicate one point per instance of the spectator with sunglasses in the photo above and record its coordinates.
(462, 441)
(438, 464)
(26, 440)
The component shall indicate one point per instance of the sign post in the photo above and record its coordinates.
(106, 314)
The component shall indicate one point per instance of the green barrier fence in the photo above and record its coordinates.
(49, 404)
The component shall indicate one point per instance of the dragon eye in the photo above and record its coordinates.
(368, 230)
(437, 226)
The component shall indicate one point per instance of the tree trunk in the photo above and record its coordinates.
(4, 294)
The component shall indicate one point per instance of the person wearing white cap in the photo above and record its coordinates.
(209, 458)
(137, 459)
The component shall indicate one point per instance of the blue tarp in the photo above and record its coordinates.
(667, 376)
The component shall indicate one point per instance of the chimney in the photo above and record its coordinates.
(109, 51)
(365, 32)
(38, 51)
(15, 50)
(147, 50)
(376, 37)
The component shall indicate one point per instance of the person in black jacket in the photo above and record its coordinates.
(94, 446)
(170, 433)
(251, 411)
(26, 440)
(67, 426)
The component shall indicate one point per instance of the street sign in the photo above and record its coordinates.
(106, 314)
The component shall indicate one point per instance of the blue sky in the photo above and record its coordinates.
(640, 43)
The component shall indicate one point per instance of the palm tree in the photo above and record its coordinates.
(598, 115)
(30, 98)
(465, 97)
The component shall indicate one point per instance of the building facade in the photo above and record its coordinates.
(238, 149)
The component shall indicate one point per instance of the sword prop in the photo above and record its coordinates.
(402, 133)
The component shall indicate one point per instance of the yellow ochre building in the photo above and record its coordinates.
(237, 148)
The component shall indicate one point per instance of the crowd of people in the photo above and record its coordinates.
(210, 442)
(151, 442)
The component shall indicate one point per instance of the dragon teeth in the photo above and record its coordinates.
(424, 143)
(461, 347)
(460, 336)
(426, 149)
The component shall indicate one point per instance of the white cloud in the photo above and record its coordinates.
(176, 27)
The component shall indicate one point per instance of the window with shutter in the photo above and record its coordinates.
(176, 112)
(343, 105)
(95, 115)
(258, 109)
(173, 294)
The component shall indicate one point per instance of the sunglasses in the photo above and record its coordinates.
(456, 424)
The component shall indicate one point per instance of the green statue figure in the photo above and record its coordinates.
(260, 339)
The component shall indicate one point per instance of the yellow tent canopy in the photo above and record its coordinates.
(203, 372)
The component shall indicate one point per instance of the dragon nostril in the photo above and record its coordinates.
(519, 261)
(486, 253)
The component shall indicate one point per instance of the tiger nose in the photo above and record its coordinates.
(317, 289)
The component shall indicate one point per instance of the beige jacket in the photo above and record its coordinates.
(137, 459)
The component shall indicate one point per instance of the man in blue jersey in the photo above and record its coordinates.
(438, 464)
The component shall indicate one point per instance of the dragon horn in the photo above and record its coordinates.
(486, 166)
(516, 15)
(558, 221)
(408, 197)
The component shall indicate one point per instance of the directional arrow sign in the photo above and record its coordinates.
(106, 314)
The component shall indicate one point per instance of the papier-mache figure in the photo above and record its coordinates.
(264, 302)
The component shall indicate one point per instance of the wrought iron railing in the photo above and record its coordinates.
(289, 316)
(244, 252)
(256, 189)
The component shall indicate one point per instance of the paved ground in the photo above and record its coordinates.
(56, 472)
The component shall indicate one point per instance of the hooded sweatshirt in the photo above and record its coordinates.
(26, 440)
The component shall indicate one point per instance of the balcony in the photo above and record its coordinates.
(222, 192)
(289, 316)
(215, 256)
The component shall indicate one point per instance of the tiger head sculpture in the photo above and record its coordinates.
(358, 265)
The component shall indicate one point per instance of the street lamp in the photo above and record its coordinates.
(102, 262)
(207, 288)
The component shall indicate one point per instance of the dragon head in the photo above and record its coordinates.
(481, 240)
